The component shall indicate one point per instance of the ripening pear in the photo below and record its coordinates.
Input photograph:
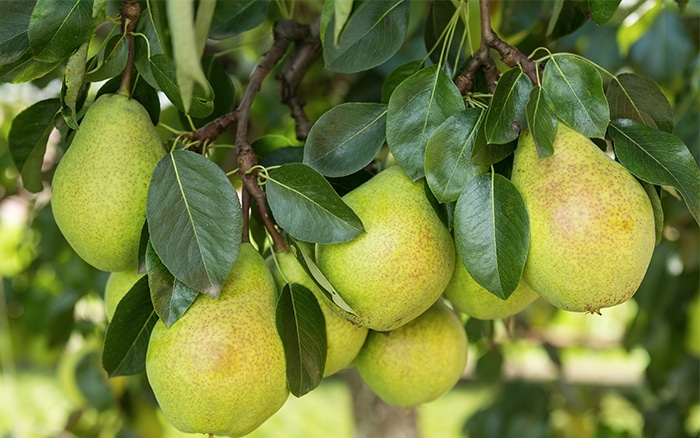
(343, 337)
(591, 223)
(101, 183)
(470, 298)
(399, 267)
(220, 368)
(118, 284)
(418, 362)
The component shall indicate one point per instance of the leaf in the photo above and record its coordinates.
(194, 220)
(72, 83)
(567, 16)
(659, 158)
(171, 298)
(576, 90)
(14, 21)
(164, 72)
(341, 13)
(302, 328)
(398, 75)
(416, 108)
(435, 35)
(57, 28)
(126, 340)
(25, 69)
(658, 210)
(635, 97)
(346, 138)
(225, 90)
(92, 382)
(306, 206)
(506, 114)
(603, 10)
(492, 233)
(233, 17)
(27, 139)
(447, 154)
(112, 60)
(487, 154)
(374, 33)
(542, 121)
(147, 44)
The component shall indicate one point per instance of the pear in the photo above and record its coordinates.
(118, 284)
(417, 362)
(591, 223)
(343, 337)
(470, 298)
(220, 368)
(101, 183)
(399, 267)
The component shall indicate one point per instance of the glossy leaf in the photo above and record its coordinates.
(487, 154)
(542, 121)
(447, 154)
(603, 10)
(112, 60)
(302, 328)
(232, 17)
(305, 205)
(171, 298)
(164, 72)
(194, 220)
(635, 97)
(225, 90)
(126, 340)
(398, 75)
(576, 90)
(659, 158)
(506, 114)
(14, 21)
(57, 28)
(346, 138)
(439, 17)
(566, 17)
(492, 233)
(147, 44)
(416, 108)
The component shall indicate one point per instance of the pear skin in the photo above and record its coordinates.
(399, 267)
(220, 368)
(101, 183)
(591, 223)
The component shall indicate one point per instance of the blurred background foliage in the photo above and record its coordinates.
(632, 372)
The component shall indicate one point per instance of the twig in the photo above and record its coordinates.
(130, 12)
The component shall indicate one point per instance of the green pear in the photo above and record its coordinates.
(101, 183)
(591, 223)
(343, 337)
(470, 298)
(418, 362)
(399, 267)
(118, 284)
(692, 334)
(220, 368)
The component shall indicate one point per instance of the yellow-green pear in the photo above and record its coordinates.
(591, 223)
(220, 368)
(118, 284)
(470, 298)
(418, 362)
(399, 267)
(343, 337)
(101, 183)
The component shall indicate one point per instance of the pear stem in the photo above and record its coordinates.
(130, 12)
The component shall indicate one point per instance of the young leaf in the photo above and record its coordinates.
(302, 328)
(576, 91)
(194, 220)
(492, 233)
(126, 340)
(506, 114)
(447, 166)
(542, 121)
(346, 138)
(416, 108)
(56, 29)
(635, 97)
(659, 158)
(306, 206)
(112, 60)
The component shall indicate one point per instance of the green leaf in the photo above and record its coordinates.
(439, 18)
(27, 139)
(126, 340)
(658, 210)
(576, 90)
(416, 108)
(164, 72)
(603, 10)
(171, 298)
(567, 16)
(72, 84)
(398, 75)
(447, 154)
(25, 69)
(506, 114)
(225, 91)
(14, 21)
(492, 233)
(232, 17)
(374, 33)
(57, 28)
(635, 97)
(659, 158)
(112, 60)
(302, 328)
(305, 205)
(341, 12)
(147, 44)
(346, 138)
(542, 121)
(194, 220)
(487, 154)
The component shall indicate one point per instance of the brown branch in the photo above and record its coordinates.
(130, 12)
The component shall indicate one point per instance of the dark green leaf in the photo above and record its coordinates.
(306, 206)
(164, 72)
(492, 233)
(225, 91)
(447, 154)
(57, 28)
(194, 220)
(232, 17)
(603, 10)
(14, 21)
(269, 143)
(140, 91)
(506, 114)
(112, 60)
(576, 90)
(373, 34)
(285, 155)
(635, 97)
(149, 43)
(346, 138)
(487, 154)
(518, 15)
(25, 69)
(302, 328)
(439, 17)
(542, 121)
(659, 158)
(567, 16)
(398, 75)
(416, 108)
(126, 340)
